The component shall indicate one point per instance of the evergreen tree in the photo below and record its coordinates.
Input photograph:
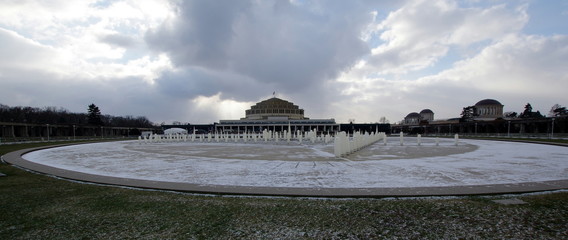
(94, 116)
(528, 112)
(468, 113)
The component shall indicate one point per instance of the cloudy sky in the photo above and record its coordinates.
(201, 61)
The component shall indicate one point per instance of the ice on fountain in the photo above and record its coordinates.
(343, 145)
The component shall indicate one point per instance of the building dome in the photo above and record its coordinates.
(486, 102)
(274, 107)
(412, 118)
(488, 109)
(427, 115)
(413, 115)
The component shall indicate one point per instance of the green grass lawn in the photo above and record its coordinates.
(34, 206)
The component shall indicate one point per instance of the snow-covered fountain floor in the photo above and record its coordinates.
(313, 167)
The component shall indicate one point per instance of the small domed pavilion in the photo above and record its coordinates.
(488, 109)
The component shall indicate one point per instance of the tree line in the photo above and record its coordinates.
(54, 115)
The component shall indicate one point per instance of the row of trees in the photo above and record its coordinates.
(53, 115)
(527, 113)
(555, 111)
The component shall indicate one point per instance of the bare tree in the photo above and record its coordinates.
(558, 111)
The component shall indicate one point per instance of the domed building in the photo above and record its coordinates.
(274, 108)
(488, 109)
(427, 115)
(415, 118)
(412, 118)
(277, 115)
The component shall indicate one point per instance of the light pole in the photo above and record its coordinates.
(73, 132)
(509, 129)
(47, 132)
(102, 132)
(552, 130)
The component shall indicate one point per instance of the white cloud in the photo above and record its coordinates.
(79, 28)
(25, 54)
(493, 23)
(55, 54)
(417, 35)
(525, 66)
(42, 15)
(22, 54)
(196, 61)
(515, 70)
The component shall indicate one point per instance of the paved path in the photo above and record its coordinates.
(16, 159)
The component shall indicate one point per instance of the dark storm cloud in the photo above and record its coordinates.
(190, 82)
(276, 45)
(200, 34)
(185, 83)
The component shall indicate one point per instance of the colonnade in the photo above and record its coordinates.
(320, 128)
(490, 111)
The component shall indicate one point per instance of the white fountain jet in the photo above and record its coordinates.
(457, 139)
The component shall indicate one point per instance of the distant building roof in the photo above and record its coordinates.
(413, 115)
(488, 102)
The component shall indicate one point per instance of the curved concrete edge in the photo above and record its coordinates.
(15, 158)
(520, 141)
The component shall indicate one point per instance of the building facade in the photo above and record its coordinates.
(274, 108)
(427, 115)
(488, 109)
(414, 118)
(276, 115)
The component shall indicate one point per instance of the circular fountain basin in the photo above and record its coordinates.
(291, 168)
